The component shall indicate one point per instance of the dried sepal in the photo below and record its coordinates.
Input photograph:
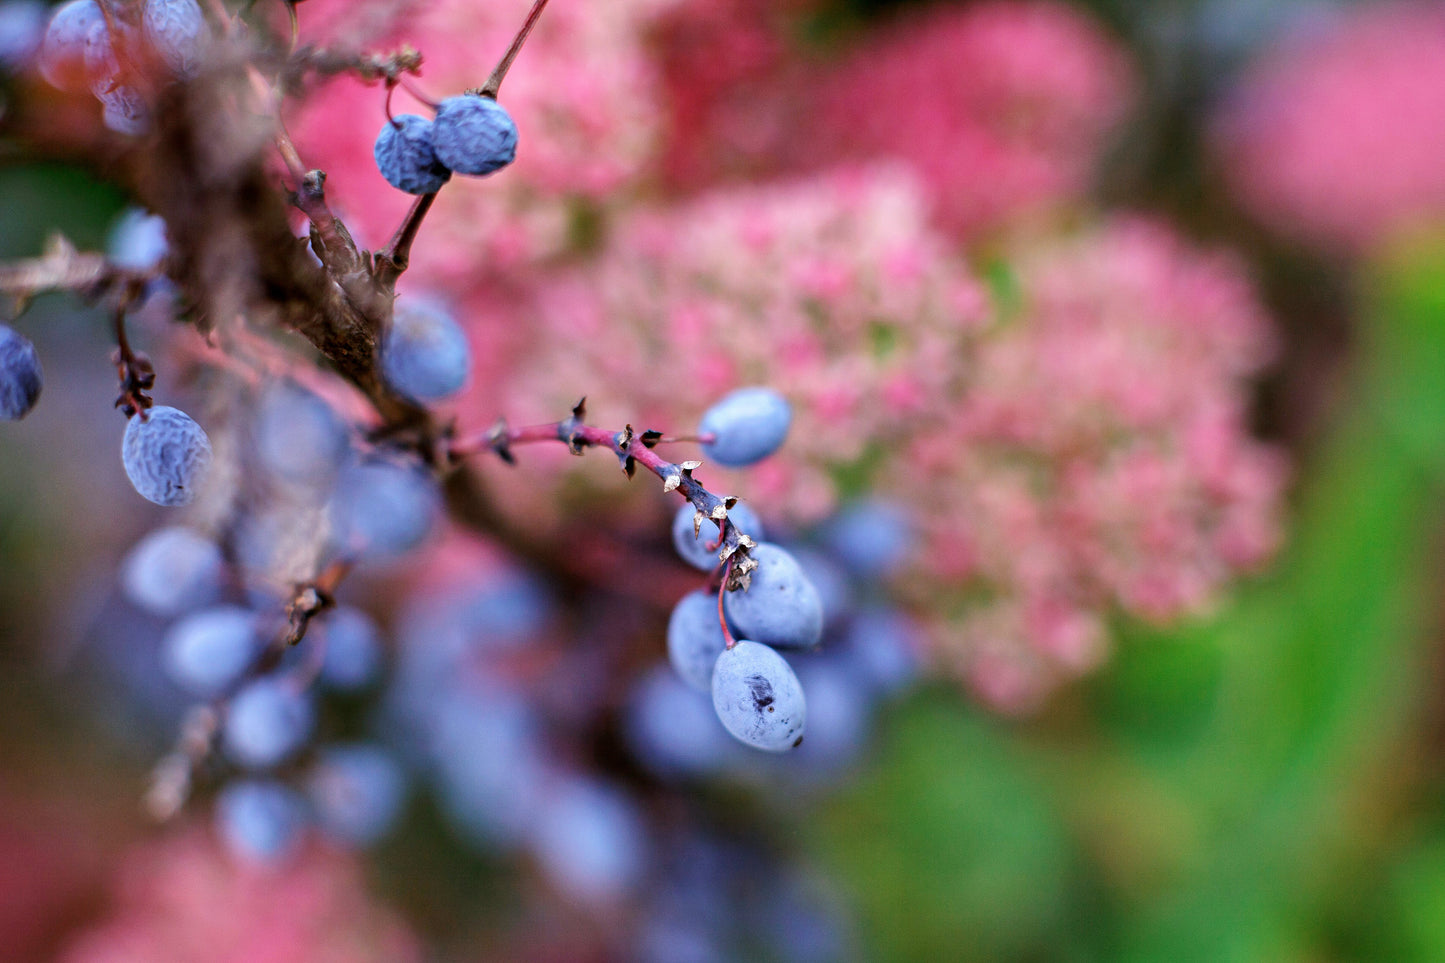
(688, 467)
(497, 437)
(697, 519)
(629, 465)
(650, 438)
(672, 481)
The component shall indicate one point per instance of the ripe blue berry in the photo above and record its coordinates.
(695, 639)
(126, 111)
(137, 241)
(353, 650)
(208, 651)
(356, 792)
(758, 698)
(267, 722)
(693, 545)
(166, 455)
(260, 820)
(425, 354)
(298, 437)
(382, 508)
(747, 426)
(20, 379)
(75, 27)
(781, 607)
(178, 32)
(171, 570)
(406, 158)
(590, 840)
(474, 134)
(871, 537)
(22, 30)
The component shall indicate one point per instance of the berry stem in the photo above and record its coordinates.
(493, 85)
(728, 640)
(393, 262)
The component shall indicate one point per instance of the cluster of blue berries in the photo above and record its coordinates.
(471, 134)
(117, 52)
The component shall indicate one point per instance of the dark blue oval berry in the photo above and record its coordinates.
(406, 158)
(19, 374)
(474, 134)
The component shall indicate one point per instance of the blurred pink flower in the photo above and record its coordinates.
(1336, 135)
(181, 898)
(1002, 108)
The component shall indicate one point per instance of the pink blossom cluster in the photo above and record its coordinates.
(182, 898)
(1002, 108)
(1336, 135)
(1099, 458)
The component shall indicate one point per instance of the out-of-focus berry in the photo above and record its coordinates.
(171, 570)
(591, 841)
(260, 820)
(424, 354)
(299, 437)
(267, 722)
(356, 792)
(137, 240)
(871, 537)
(672, 728)
(166, 455)
(747, 426)
(353, 650)
(474, 135)
(209, 650)
(695, 639)
(74, 27)
(381, 508)
(125, 110)
(22, 31)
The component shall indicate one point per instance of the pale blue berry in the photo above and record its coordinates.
(353, 650)
(746, 426)
(74, 27)
(171, 570)
(424, 354)
(382, 508)
(22, 30)
(207, 652)
(695, 638)
(356, 792)
(781, 607)
(178, 32)
(474, 134)
(757, 696)
(166, 455)
(260, 820)
(406, 157)
(137, 240)
(125, 110)
(266, 723)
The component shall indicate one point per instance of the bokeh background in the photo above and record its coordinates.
(1123, 325)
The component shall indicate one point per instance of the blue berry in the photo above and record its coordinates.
(747, 426)
(758, 698)
(267, 722)
(673, 730)
(695, 639)
(474, 134)
(781, 607)
(356, 792)
(137, 241)
(871, 537)
(839, 714)
(22, 30)
(383, 508)
(882, 647)
(260, 820)
(693, 545)
(166, 455)
(178, 32)
(590, 840)
(20, 379)
(298, 437)
(425, 354)
(74, 27)
(126, 111)
(172, 570)
(208, 651)
(353, 650)
(406, 158)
